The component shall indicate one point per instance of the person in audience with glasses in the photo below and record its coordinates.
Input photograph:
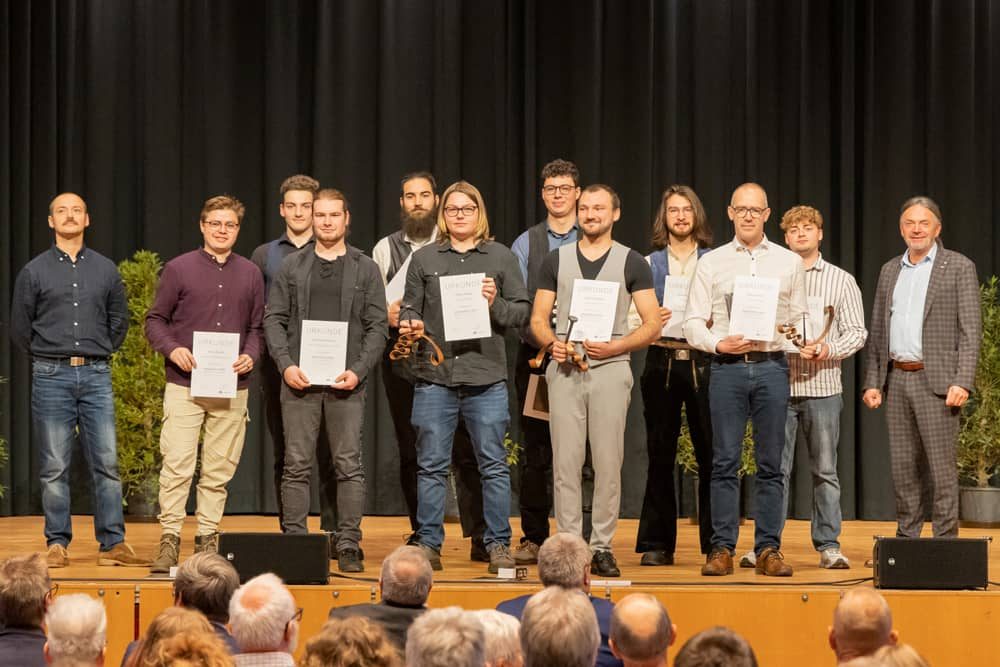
(471, 380)
(26, 592)
(740, 293)
(264, 621)
(207, 291)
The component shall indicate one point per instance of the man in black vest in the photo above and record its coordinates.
(297, 193)
(560, 191)
(418, 207)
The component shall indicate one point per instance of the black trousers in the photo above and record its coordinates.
(536, 457)
(667, 384)
(271, 382)
(468, 486)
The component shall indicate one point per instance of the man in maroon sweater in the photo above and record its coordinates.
(212, 290)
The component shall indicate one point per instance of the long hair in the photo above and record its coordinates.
(482, 232)
(700, 228)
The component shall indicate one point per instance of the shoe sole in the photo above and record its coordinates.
(111, 562)
(525, 561)
(841, 565)
(717, 574)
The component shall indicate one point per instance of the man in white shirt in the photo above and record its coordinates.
(749, 378)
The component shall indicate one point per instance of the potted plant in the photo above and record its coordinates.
(138, 380)
(978, 451)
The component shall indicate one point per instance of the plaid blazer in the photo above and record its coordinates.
(952, 324)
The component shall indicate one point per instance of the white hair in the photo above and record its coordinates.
(448, 637)
(260, 625)
(503, 636)
(77, 628)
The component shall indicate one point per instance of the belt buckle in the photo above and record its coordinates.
(746, 358)
(77, 361)
(682, 355)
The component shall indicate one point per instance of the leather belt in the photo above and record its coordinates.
(73, 361)
(749, 357)
(908, 366)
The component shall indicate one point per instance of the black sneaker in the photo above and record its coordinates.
(604, 564)
(334, 552)
(656, 557)
(350, 560)
(478, 552)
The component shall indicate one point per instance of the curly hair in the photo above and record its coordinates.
(168, 623)
(192, 649)
(561, 168)
(350, 642)
(805, 214)
(223, 203)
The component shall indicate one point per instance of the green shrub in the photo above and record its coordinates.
(978, 451)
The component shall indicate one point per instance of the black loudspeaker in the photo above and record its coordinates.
(940, 563)
(297, 559)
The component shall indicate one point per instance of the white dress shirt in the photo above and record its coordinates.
(383, 256)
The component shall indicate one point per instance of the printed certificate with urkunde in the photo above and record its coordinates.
(593, 304)
(675, 297)
(323, 351)
(465, 310)
(214, 355)
(754, 307)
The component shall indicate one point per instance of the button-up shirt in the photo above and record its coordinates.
(906, 320)
(556, 240)
(833, 287)
(65, 308)
(478, 362)
(383, 255)
(712, 291)
(197, 293)
(285, 248)
(268, 659)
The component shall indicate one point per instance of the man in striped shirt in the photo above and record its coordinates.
(816, 402)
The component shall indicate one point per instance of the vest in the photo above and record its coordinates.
(399, 250)
(538, 248)
(659, 262)
(612, 271)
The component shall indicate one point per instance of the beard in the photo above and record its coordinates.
(420, 224)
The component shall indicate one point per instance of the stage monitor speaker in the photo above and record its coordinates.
(939, 563)
(297, 559)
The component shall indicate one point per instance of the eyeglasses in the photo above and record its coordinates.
(297, 618)
(561, 189)
(54, 590)
(467, 211)
(215, 225)
(741, 211)
(675, 210)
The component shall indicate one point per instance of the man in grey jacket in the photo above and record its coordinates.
(330, 282)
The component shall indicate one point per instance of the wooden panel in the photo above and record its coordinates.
(119, 605)
(477, 596)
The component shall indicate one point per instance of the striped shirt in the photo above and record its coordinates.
(829, 285)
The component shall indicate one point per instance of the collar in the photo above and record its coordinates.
(819, 265)
(397, 605)
(210, 257)
(287, 241)
(60, 255)
(574, 229)
(482, 246)
(433, 237)
(739, 247)
(929, 258)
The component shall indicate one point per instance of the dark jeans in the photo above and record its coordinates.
(270, 384)
(536, 458)
(67, 402)
(343, 413)
(666, 385)
(468, 486)
(758, 391)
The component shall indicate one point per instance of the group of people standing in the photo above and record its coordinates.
(449, 399)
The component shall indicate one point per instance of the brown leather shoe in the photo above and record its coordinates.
(121, 554)
(771, 563)
(719, 563)
(57, 556)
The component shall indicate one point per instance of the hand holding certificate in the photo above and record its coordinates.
(754, 308)
(323, 352)
(594, 303)
(465, 311)
(213, 375)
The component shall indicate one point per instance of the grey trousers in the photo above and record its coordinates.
(590, 404)
(922, 432)
(343, 414)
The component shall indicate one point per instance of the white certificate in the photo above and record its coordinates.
(397, 286)
(323, 351)
(814, 320)
(755, 307)
(593, 303)
(466, 311)
(675, 297)
(214, 356)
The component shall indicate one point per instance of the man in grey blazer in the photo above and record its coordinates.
(922, 352)
(330, 282)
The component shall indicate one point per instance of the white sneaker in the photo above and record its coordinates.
(749, 559)
(832, 559)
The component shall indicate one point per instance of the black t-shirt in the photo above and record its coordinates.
(324, 289)
(638, 275)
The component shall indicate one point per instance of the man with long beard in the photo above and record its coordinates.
(418, 208)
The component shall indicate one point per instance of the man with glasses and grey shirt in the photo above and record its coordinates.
(749, 377)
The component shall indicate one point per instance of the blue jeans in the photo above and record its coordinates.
(758, 391)
(64, 399)
(436, 409)
(816, 422)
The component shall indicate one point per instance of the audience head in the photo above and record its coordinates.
(168, 623)
(641, 631)
(899, 655)
(77, 629)
(448, 637)
(406, 577)
(350, 642)
(503, 638)
(862, 623)
(564, 560)
(262, 616)
(716, 646)
(192, 649)
(206, 582)
(559, 629)
(25, 591)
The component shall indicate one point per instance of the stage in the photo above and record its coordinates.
(786, 620)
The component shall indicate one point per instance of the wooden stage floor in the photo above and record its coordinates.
(785, 619)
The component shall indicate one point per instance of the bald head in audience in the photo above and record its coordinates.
(862, 623)
(641, 631)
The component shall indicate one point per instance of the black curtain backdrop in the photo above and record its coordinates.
(147, 107)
